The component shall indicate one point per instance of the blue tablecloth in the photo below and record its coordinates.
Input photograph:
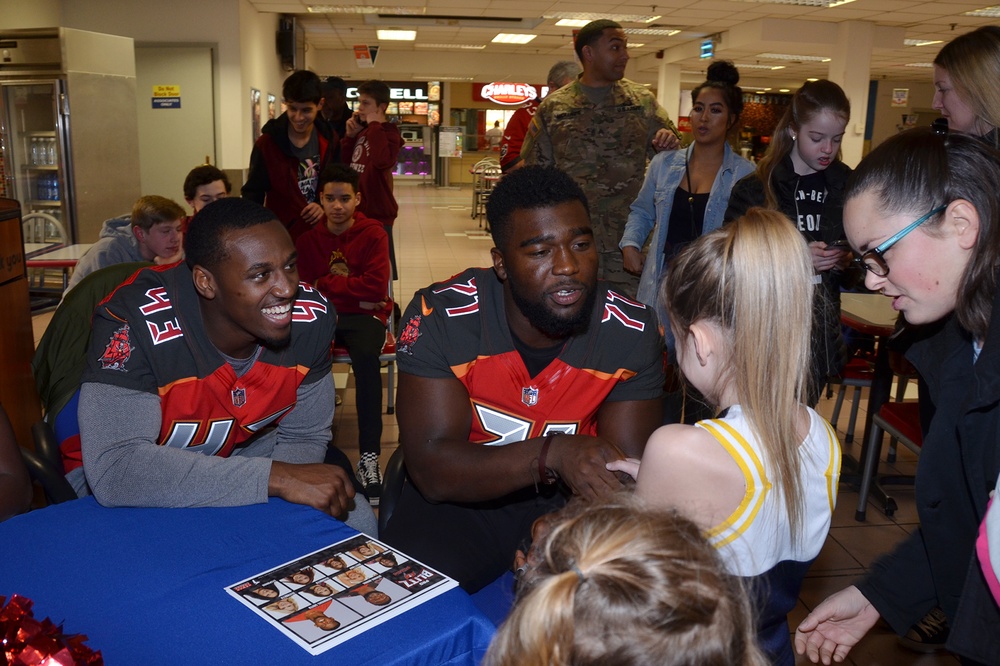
(146, 586)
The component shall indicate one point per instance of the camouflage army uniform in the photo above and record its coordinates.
(604, 147)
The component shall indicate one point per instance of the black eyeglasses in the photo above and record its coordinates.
(874, 259)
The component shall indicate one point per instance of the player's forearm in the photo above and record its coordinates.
(448, 470)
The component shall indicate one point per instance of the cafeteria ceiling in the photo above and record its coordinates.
(748, 32)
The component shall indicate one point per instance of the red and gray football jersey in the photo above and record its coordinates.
(458, 328)
(149, 336)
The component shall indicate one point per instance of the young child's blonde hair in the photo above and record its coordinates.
(616, 583)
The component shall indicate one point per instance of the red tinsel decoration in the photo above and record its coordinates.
(25, 641)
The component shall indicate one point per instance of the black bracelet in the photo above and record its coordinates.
(545, 475)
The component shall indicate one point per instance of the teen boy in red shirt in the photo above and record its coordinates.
(347, 259)
(291, 153)
(371, 147)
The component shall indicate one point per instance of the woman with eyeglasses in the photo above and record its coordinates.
(802, 176)
(966, 72)
(922, 212)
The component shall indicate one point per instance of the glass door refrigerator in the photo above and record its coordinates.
(69, 145)
(32, 156)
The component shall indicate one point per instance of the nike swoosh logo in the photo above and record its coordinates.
(423, 307)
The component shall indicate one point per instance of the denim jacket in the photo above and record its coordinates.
(652, 207)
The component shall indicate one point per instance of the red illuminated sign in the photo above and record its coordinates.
(512, 94)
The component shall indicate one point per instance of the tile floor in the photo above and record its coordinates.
(436, 237)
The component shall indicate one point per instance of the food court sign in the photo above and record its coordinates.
(508, 94)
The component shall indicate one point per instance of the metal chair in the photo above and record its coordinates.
(42, 228)
(45, 465)
(485, 175)
(902, 421)
(858, 373)
(392, 488)
(386, 358)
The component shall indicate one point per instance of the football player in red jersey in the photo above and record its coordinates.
(518, 384)
(208, 383)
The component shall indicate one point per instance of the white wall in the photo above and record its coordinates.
(887, 117)
(29, 13)
(243, 41)
(259, 65)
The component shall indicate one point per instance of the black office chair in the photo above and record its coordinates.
(392, 488)
(45, 465)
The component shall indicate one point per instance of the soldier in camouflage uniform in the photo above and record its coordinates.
(601, 130)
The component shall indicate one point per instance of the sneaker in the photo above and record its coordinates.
(929, 634)
(370, 477)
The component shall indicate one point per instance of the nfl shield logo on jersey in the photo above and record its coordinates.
(239, 397)
(529, 395)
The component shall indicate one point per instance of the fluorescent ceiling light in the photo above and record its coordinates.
(660, 32)
(512, 38)
(572, 23)
(784, 90)
(469, 47)
(919, 64)
(361, 9)
(812, 78)
(805, 3)
(396, 35)
(921, 42)
(772, 67)
(587, 17)
(789, 56)
(991, 12)
(435, 77)
(635, 46)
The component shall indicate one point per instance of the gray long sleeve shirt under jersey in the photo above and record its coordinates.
(126, 467)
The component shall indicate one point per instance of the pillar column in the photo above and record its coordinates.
(668, 88)
(850, 67)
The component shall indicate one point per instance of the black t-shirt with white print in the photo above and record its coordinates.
(810, 197)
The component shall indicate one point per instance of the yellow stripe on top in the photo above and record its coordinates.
(757, 483)
(833, 470)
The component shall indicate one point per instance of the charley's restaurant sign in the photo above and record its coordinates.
(502, 92)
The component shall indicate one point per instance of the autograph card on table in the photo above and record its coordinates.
(335, 593)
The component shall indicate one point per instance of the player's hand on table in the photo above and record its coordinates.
(312, 213)
(664, 139)
(835, 626)
(324, 487)
(580, 460)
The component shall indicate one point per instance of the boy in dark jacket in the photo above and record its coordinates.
(371, 147)
(347, 259)
(291, 152)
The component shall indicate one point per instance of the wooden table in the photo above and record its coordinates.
(873, 315)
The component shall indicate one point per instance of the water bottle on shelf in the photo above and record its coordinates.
(34, 151)
(50, 152)
(55, 187)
